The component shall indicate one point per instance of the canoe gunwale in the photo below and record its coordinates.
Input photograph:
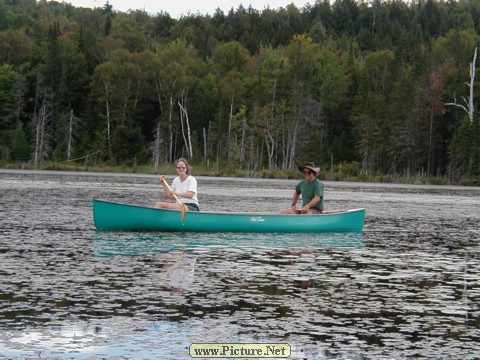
(247, 213)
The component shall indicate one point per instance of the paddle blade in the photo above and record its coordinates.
(183, 211)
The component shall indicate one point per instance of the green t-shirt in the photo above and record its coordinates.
(309, 190)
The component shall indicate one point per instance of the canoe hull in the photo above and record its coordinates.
(110, 216)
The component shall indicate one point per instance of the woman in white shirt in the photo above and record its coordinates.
(184, 186)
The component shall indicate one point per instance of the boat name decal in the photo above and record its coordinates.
(257, 219)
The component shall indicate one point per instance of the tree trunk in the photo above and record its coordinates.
(184, 117)
(293, 137)
(242, 141)
(205, 145)
(156, 149)
(170, 129)
(41, 131)
(268, 135)
(70, 135)
(229, 138)
(270, 143)
(107, 108)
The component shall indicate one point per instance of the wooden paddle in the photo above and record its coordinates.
(183, 207)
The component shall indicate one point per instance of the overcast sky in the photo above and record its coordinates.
(178, 7)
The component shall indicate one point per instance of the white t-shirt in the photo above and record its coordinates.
(190, 184)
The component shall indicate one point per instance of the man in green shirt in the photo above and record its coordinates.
(311, 190)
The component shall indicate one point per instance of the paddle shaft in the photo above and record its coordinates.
(174, 195)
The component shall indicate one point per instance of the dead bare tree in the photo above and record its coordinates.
(230, 118)
(107, 109)
(294, 128)
(205, 154)
(40, 126)
(469, 107)
(72, 126)
(269, 140)
(156, 148)
(185, 128)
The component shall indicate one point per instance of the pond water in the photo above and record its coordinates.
(408, 286)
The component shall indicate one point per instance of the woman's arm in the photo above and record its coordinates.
(165, 187)
(188, 194)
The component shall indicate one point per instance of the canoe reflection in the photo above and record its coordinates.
(134, 244)
(175, 254)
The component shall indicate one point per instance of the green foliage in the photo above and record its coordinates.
(127, 146)
(7, 78)
(16, 47)
(464, 150)
(358, 87)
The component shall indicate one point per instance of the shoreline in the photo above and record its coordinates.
(212, 171)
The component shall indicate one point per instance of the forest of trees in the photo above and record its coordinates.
(375, 87)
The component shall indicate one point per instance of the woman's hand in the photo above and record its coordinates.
(168, 192)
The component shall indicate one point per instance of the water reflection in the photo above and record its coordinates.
(134, 244)
(180, 271)
(176, 254)
(93, 341)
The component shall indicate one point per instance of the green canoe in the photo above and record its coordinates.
(110, 216)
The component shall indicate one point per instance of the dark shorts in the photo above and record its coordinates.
(193, 207)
